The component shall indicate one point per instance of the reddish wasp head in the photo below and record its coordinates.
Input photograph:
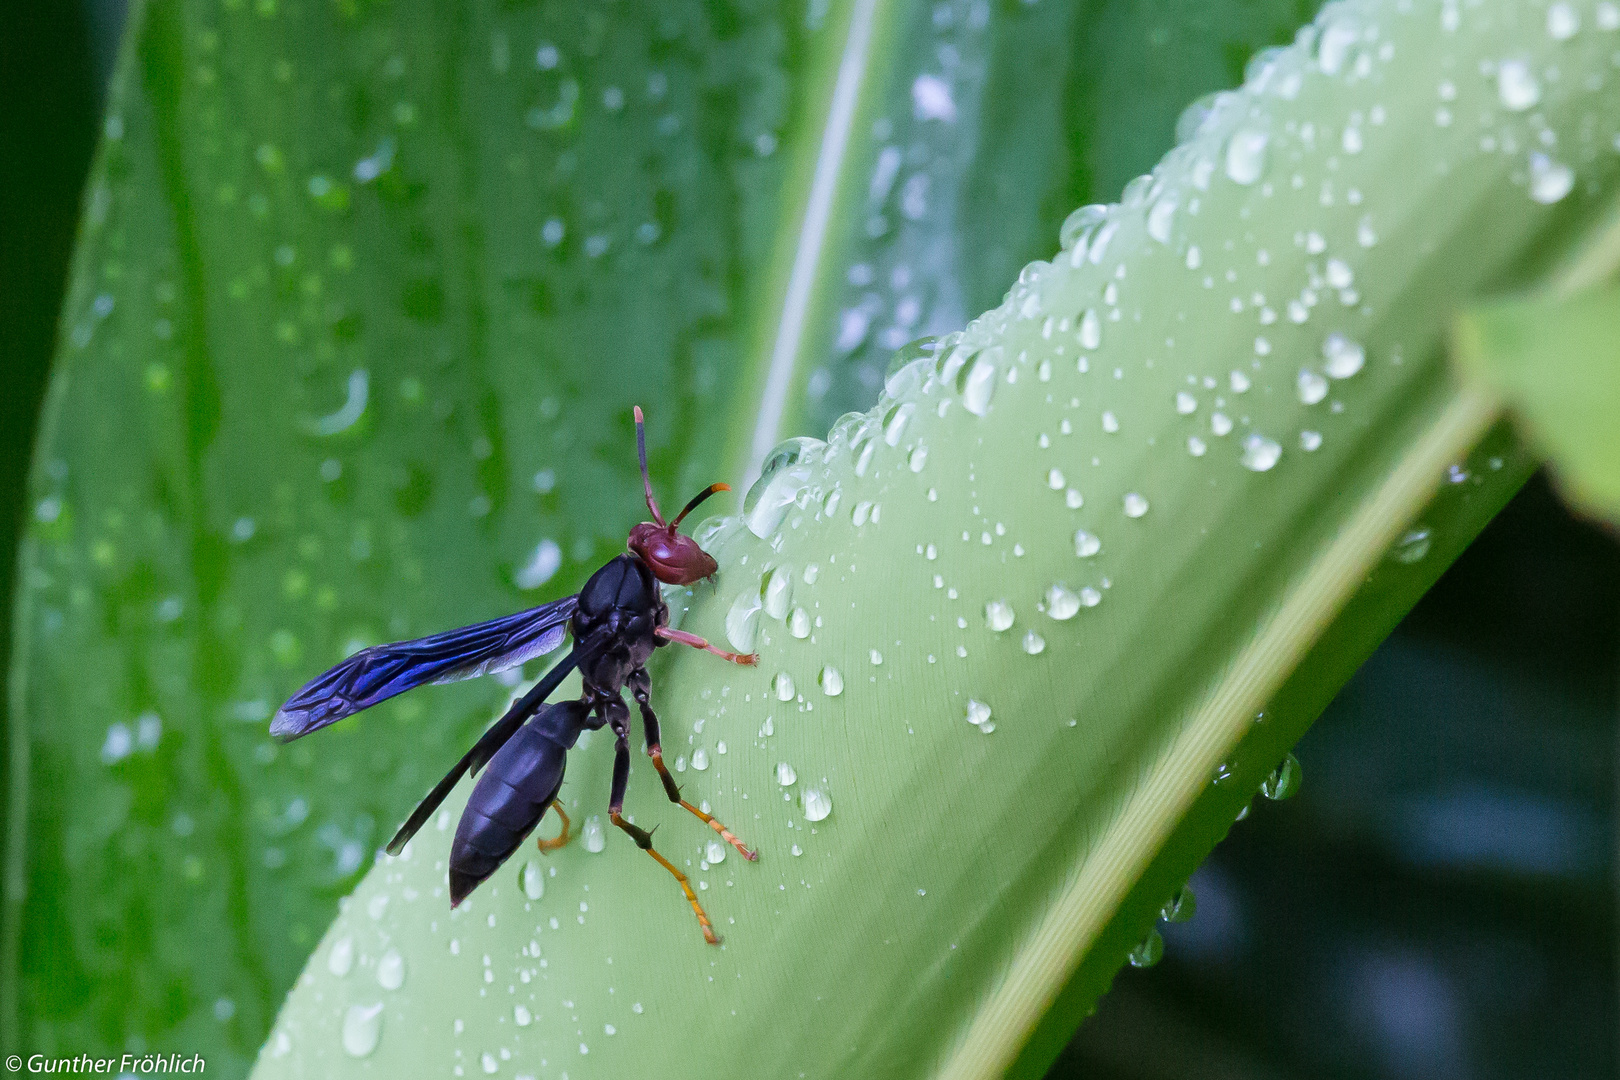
(673, 558)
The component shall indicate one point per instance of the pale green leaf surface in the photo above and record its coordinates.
(930, 920)
(362, 297)
(1555, 361)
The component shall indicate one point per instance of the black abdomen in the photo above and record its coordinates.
(510, 798)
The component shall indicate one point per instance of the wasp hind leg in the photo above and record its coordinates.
(619, 718)
(561, 838)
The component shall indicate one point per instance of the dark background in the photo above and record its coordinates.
(1440, 899)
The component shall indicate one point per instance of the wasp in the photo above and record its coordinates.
(616, 621)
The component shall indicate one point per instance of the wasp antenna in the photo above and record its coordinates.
(641, 454)
(697, 499)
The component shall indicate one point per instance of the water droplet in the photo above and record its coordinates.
(978, 714)
(1562, 22)
(1259, 452)
(799, 623)
(1220, 424)
(783, 685)
(785, 775)
(876, 658)
(1344, 356)
(1061, 602)
(533, 881)
(1246, 156)
(1180, 906)
(1080, 222)
(1516, 85)
(1090, 597)
(1195, 446)
(1186, 404)
(1149, 952)
(592, 835)
(832, 683)
(918, 458)
(1090, 330)
(1073, 499)
(1033, 643)
(1110, 422)
(742, 621)
(1311, 386)
(998, 615)
(817, 804)
(1334, 45)
(776, 591)
(521, 1016)
(1310, 440)
(1284, 781)
(1055, 480)
(980, 385)
(1135, 505)
(1239, 382)
(1550, 180)
(1085, 544)
(700, 759)
(715, 852)
(894, 423)
(786, 472)
(1160, 218)
(1412, 546)
(391, 970)
(341, 957)
(362, 1027)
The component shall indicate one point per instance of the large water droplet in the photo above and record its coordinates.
(785, 774)
(1334, 44)
(533, 881)
(521, 1016)
(1082, 221)
(1135, 505)
(700, 759)
(817, 804)
(771, 496)
(593, 837)
(1550, 180)
(715, 852)
(978, 714)
(799, 623)
(1412, 546)
(980, 385)
(1090, 329)
(1344, 356)
(391, 970)
(1180, 906)
(1160, 219)
(362, 1027)
(341, 957)
(742, 621)
(894, 424)
(918, 458)
(1562, 22)
(1284, 781)
(1516, 85)
(783, 685)
(1186, 404)
(1033, 643)
(776, 591)
(1259, 452)
(1246, 156)
(832, 683)
(1062, 602)
(1311, 386)
(998, 615)
(1149, 952)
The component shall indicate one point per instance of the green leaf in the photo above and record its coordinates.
(1556, 362)
(1311, 237)
(362, 297)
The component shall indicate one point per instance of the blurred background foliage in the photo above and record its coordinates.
(1440, 899)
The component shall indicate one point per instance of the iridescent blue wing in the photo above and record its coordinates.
(378, 673)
